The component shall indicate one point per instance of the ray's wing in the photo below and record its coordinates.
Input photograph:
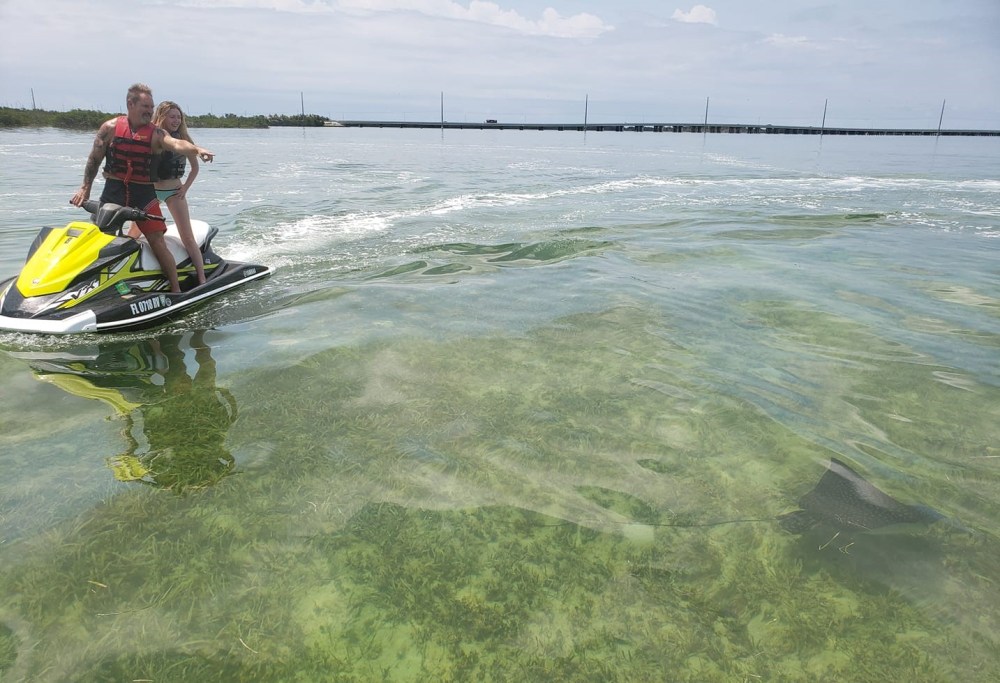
(844, 499)
(862, 489)
(798, 521)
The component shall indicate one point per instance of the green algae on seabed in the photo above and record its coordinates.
(9, 645)
(494, 594)
(455, 512)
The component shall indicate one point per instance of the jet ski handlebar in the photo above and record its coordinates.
(110, 218)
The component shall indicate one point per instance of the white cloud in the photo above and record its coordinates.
(699, 14)
(551, 23)
(297, 6)
(781, 40)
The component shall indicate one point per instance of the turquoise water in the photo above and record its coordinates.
(497, 411)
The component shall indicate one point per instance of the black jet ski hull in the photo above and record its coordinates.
(131, 311)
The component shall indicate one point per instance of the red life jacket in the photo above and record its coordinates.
(130, 153)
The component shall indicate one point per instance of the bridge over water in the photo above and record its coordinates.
(755, 129)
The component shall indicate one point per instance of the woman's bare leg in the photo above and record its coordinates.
(179, 211)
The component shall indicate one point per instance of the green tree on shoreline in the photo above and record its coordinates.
(87, 119)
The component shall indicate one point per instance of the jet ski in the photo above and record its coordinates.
(92, 277)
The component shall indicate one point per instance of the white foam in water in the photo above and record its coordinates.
(281, 242)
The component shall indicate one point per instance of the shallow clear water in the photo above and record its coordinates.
(519, 406)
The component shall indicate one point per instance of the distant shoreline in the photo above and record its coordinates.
(88, 119)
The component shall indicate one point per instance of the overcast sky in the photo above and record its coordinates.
(880, 63)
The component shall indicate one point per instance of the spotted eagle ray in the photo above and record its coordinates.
(845, 500)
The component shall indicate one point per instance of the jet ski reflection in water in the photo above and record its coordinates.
(90, 277)
(176, 422)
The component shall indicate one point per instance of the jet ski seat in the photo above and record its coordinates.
(174, 244)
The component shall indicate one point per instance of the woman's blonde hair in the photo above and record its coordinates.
(161, 115)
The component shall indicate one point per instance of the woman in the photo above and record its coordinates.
(169, 188)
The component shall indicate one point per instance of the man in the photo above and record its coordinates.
(128, 143)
